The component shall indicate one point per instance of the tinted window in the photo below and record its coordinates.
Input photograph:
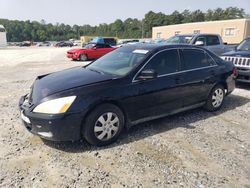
(100, 46)
(110, 41)
(164, 62)
(192, 59)
(179, 39)
(244, 46)
(201, 39)
(212, 40)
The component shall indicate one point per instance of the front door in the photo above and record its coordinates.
(158, 96)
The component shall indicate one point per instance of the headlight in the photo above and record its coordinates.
(55, 106)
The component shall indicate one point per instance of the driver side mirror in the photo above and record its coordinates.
(147, 74)
(199, 43)
(94, 48)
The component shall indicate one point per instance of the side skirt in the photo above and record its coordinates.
(167, 114)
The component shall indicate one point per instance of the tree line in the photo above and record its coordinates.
(18, 31)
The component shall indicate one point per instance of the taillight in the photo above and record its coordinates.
(235, 71)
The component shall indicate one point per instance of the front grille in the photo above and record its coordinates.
(240, 62)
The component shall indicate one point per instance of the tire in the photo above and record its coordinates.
(99, 130)
(215, 98)
(83, 57)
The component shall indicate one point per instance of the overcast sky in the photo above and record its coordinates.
(94, 12)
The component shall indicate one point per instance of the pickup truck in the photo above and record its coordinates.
(240, 56)
(212, 42)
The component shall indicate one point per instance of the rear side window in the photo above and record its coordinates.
(193, 59)
(165, 62)
(213, 40)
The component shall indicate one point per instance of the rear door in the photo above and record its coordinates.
(197, 76)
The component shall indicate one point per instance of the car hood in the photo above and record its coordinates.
(49, 84)
(237, 53)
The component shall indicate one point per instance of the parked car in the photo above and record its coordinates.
(64, 44)
(77, 43)
(212, 42)
(89, 51)
(130, 85)
(240, 56)
(104, 40)
(46, 43)
(25, 44)
(128, 42)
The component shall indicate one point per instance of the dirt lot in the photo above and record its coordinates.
(192, 149)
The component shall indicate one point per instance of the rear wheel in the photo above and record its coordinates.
(103, 125)
(215, 98)
(83, 57)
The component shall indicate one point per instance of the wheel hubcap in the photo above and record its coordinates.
(217, 97)
(106, 126)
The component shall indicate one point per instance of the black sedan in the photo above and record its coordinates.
(64, 44)
(130, 85)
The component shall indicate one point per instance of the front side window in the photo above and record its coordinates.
(213, 40)
(89, 46)
(193, 59)
(201, 39)
(165, 62)
(100, 45)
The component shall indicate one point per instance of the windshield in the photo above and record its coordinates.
(244, 46)
(180, 39)
(118, 62)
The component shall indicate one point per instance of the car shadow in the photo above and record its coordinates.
(143, 130)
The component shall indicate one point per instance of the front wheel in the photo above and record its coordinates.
(215, 98)
(103, 125)
(83, 57)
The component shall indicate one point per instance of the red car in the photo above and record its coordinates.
(90, 51)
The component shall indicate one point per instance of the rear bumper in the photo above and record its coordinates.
(65, 127)
(243, 76)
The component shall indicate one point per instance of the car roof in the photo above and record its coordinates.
(159, 47)
(198, 34)
(185, 35)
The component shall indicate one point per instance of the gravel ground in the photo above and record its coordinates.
(192, 149)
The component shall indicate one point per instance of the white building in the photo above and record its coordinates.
(3, 40)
